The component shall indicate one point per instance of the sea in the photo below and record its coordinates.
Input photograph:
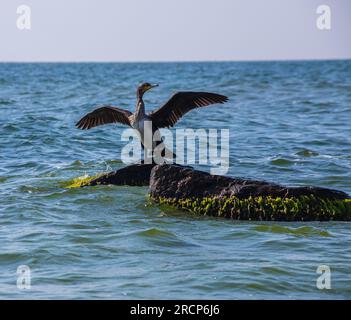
(289, 123)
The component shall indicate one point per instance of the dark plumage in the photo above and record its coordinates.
(180, 104)
(104, 115)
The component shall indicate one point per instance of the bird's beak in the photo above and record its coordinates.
(150, 87)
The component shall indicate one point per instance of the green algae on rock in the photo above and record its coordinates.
(80, 182)
(132, 175)
(245, 199)
(304, 208)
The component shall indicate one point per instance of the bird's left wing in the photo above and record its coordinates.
(180, 104)
(104, 115)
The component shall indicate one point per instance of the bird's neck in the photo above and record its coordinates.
(140, 107)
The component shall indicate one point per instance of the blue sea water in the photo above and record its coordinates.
(290, 122)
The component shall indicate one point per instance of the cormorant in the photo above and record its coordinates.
(164, 117)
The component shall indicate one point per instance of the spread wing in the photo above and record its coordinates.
(104, 115)
(180, 104)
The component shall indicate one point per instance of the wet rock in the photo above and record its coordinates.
(184, 182)
(219, 196)
(133, 175)
(234, 198)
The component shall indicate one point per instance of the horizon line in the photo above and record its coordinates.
(176, 61)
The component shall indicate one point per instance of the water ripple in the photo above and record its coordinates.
(288, 124)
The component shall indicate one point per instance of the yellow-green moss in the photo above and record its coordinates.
(80, 181)
(265, 208)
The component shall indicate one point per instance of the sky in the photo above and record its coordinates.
(181, 30)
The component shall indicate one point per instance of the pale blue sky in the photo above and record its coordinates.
(181, 30)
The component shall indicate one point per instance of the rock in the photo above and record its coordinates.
(185, 182)
(234, 198)
(200, 192)
(133, 175)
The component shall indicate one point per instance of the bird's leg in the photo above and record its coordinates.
(148, 156)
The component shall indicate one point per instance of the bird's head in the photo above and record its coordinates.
(145, 87)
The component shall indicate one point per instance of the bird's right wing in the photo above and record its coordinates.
(104, 115)
(180, 104)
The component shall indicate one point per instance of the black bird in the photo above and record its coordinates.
(164, 117)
